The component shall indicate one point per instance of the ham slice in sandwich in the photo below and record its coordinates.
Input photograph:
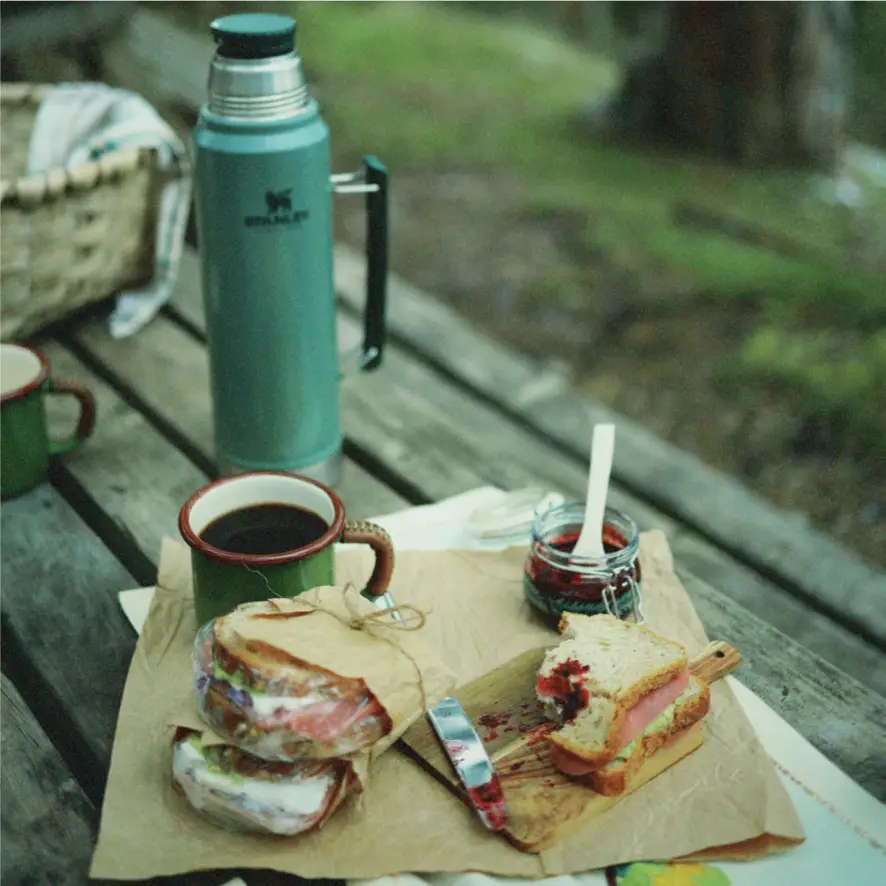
(286, 679)
(619, 692)
(274, 706)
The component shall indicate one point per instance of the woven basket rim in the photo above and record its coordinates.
(45, 186)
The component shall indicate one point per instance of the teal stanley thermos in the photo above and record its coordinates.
(264, 193)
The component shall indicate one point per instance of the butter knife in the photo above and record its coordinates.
(467, 754)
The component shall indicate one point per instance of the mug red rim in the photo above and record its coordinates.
(281, 557)
(31, 385)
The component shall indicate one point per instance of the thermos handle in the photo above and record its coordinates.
(374, 185)
(376, 263)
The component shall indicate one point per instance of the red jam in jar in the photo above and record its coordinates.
(555, 581)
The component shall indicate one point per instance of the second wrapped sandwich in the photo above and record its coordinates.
(243, 793)
(316, 676)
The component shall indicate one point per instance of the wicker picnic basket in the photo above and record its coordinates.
(68, 237)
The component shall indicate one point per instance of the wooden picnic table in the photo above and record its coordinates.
(449, 410)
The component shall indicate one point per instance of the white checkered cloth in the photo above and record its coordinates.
(77, 122)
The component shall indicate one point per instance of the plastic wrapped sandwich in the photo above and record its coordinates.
(316, 676)
(244, 793)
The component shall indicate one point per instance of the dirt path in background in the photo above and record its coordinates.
(623, 351)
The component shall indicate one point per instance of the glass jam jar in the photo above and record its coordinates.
(555, 581)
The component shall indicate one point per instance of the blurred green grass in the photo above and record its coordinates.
(839, 375)
(432, 88)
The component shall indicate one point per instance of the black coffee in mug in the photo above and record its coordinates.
(231, 522)
(265, 529)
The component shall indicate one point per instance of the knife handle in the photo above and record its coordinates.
(715, 661)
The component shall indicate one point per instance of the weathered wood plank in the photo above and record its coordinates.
(129, 469)
(154, 57)
(168, 370)
(406, 414)
(60, 583)
(61, 612)
(48, 825)
(779, 543)
(60, 607)
(814, 696)
(50, 24)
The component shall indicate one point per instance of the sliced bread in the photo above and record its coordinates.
(235, 650)
(612, 779)
(590, 681)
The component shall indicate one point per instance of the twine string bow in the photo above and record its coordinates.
(411, 619)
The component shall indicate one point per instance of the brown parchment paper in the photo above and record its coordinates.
(397, 665)
(724, 794)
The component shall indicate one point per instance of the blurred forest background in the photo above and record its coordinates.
(683, 205)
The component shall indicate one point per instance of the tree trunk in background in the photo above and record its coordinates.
(756, 82)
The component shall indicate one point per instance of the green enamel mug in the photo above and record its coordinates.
(25, 381)
(263, 534)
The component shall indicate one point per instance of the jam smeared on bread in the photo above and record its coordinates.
(565, 688)
(618, 692)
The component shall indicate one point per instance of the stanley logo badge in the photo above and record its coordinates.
(279, 211)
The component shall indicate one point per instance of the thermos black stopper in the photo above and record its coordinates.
(254, 35)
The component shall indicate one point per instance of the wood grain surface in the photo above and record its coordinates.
(48, 825)
(167, 371)
(64, 629)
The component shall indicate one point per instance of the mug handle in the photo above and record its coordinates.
(362, 532)
(86, 422)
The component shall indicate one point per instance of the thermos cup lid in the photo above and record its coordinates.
(254, 35)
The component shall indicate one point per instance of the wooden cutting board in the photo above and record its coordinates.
(543, 806)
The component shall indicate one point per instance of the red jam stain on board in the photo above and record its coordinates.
(493, 722)
(555, 583)
(534, 745)
(531, 763)
(489, 801)
(539, 733)
(566, 686)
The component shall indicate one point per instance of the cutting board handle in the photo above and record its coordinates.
(716, 660)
